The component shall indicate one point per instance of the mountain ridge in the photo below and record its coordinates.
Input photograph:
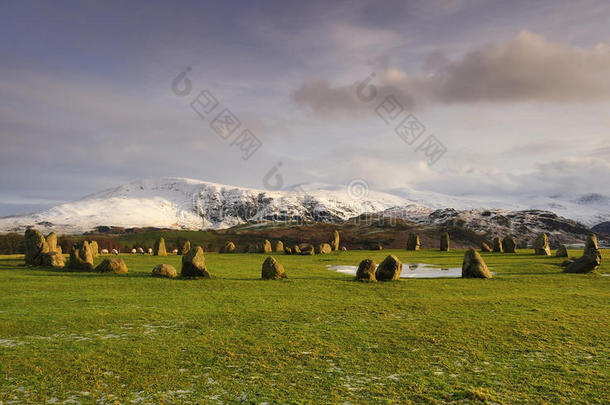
(182, 203)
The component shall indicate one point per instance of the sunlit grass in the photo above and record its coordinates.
(531, 334)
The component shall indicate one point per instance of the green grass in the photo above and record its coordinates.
(530, 335)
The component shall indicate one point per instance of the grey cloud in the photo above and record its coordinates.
(525, 68)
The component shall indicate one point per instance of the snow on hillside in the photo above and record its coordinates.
(180, 203)
(191, 204)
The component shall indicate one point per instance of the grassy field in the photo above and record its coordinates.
(530, 335)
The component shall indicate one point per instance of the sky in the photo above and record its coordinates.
(461, 97)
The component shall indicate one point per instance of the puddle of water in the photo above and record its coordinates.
(411, 270)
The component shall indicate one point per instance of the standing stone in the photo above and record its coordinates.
(562, 251)
(474, 266)
(81, 257)
(413, 242)
(287, 250)
(497, 242)
(165, 270)
(296, 250)
(485, 247)
(114, 265)
(334, 243)
(51, 240)
(590, 260)
(379, 246)
(279, 246)
(53, 259)
(193, 264)
(159, 249)
(324, 249)
(229, 247)
(445, 242)
(510, 245)
(272, 269)
(366, 270)
(541, 245)
(35, 245)
(94, 249)
(267, 247)
(389, 269)
(306, 249)
(184, 248)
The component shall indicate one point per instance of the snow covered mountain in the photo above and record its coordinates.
(180, 203)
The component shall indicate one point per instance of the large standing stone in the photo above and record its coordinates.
(272, 269)
(334, 243)
(53, 259)
(413, 242)
(267, 247)
(485, 247)
(35, 245)
(324, 249)
(389, 269)
(51, 240)
(159, 249)
(541, 245)
(445, 242)
(474, 266)
(562, 251)
(229, 247)
(306, 249)
(114, 265)
(510, 245)
(193, 264)
(165, 270)
(590, 260)
(184, 248)
(497, 242)
(279, 246)
(81, 257)
(95, 249)
(366, 270)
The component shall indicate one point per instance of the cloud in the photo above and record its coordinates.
(525, 68)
